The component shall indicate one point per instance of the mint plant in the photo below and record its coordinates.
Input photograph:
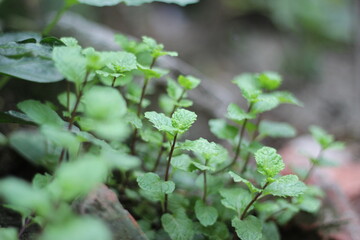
(100, 133)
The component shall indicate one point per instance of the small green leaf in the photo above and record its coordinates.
(188, 82)
(222, 130)
(248, 229)
(286, 186)
(104, 103)
(270, 231)
(265, 102)
(84, 228)
(322, 137)
(71, 63)
(40, 113)
(235, 113)
(132, 118)
(269, 80)
(207, 215)
(212, 152)
(8, 234)
(276, 129)
(218, 231)
(178, 226)
(179, 2)
(182, 120)
(72, 178)
(269, 163)
(173, 90)
(40, 181)
(100, 3)
(119, 160)
(160, 122)
(237, 178)
(286, 97)
(236, 199)
(151, 183)
(182, 162)
(21, 194)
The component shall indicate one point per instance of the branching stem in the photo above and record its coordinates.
(256, 197)
(238, 147)
(73, 112)
(167, 172)
(55, 20)
(312, 167)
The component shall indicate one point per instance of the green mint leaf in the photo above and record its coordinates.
(210, 151)
(100, 3)
(270, 231)
(161, 122)
(70, 63)
(182, 120)
(22, 195)
(264, 102)
(188, 82)
(33, 149)
(40, 113)
(218, 231)
(72, 178)
(179, 2)
(207, 215)
(153, 185)
(103, 103)
(269, 80)
(84, 228)
(152, 72)
(269, 163)
(182, 162)
(156, 49)
(276, 129)
(236, 199)
(40, 181)
(321, 136)
(148, 135)
(173, 90)
(178, 226)
(119, 62)
(8, 234)
(119, 160)
(184, 103)
(222, 130)
(248, 229)
(287, 97)
(286, 186)
(132, 118)
(235, 113)
(70, 41)
(237, 178)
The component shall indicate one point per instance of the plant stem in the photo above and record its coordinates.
(73, 112)
(238, 147)
(113, 82)
(243, 215)
(134, 139)
(55, 20)
(168, 170)
(311, 169)
(161, 150)
(26, 224)
(253, 137)
(205, 184)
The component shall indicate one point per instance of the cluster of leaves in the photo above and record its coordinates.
(99, 132)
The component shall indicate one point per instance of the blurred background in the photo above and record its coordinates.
(313, 44)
